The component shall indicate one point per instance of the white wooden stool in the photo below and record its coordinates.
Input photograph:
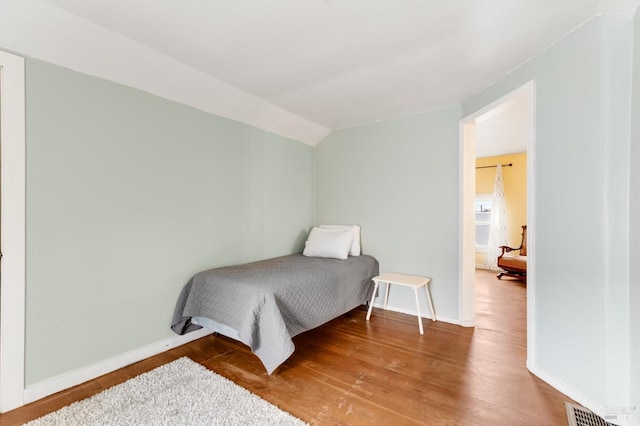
(415, 282)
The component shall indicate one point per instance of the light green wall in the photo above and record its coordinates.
(634, 234)
(617, 67)
(581, 207)
(398, 179)
(128, 195)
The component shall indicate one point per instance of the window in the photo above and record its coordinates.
(483, 221)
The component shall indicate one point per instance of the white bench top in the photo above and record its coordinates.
(402, 279)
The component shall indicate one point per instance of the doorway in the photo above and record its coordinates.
(470, 148)
(12, 236)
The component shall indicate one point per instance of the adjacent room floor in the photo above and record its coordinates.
(351, 371)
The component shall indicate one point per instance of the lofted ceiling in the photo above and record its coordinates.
(298, 68)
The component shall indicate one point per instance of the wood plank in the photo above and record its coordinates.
(353, 371)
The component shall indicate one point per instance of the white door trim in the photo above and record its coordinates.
(12, 240)
(467, 190)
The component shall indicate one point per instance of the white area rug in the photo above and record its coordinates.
(182, 392)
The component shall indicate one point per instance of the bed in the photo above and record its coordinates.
(265, 304)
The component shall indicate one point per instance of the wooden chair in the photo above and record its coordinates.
(514, 266)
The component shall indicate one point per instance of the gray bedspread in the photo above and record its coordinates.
(271, 301)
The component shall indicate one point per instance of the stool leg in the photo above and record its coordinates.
(386, 296)
(433, 311)
(373, 296)
(415, 292)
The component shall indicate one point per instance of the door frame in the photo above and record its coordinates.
(12, 235)
(466, 300)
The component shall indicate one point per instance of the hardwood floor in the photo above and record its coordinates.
(351, 371)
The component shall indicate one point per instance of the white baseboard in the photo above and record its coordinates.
(466, 323)
(67, 380)
(76, 377)
(623, 418)
(415, 313)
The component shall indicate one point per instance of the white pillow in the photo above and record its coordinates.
(332, 243)
(355, 230)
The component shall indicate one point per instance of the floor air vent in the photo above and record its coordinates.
(580, 416)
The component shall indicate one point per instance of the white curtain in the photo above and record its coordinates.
(498, 233)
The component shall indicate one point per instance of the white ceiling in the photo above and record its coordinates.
(299, 68)
(504, 129)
